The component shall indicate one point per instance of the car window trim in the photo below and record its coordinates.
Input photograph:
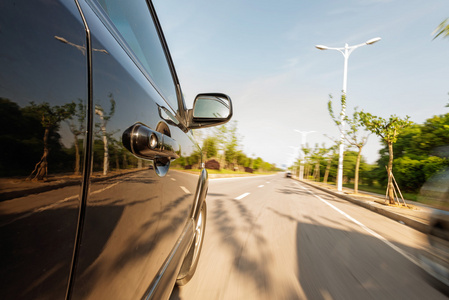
(181, 104)
(104, 18)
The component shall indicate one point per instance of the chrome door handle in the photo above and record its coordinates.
(149, 144)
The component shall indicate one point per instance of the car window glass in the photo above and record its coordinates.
(134, 22)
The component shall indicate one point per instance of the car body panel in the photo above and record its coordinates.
(138, 215)
(43, 85)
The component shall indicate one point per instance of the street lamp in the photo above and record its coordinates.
(346, 51)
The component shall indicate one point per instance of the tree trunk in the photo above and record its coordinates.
(106, 151)
(100, 113)
(357, 166)
(125, 161)
(117, 161)
(41, 167)
(77, 156)
(390, 174)
(328, 167)
(317, 172)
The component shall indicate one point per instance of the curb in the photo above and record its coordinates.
(420, 226)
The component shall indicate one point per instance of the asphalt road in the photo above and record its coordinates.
(271, 237)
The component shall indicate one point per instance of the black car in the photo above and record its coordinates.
(94, 134)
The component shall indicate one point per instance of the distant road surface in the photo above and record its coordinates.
(271, 237)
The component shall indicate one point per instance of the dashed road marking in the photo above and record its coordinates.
(260, 185)
(242, 196)
(184, 189)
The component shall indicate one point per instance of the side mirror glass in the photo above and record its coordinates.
(211, 107)
(210, 110)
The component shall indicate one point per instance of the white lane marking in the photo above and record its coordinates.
(184, 189)
(241, 177)
(364, 227)
(268, 182)
(173, 179)
(260, 185)
(74, 197)
(242, 196)
(106, 188)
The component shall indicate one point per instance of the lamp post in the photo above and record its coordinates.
(303, 142)
(346, 51)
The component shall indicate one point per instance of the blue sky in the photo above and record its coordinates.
(263, 55)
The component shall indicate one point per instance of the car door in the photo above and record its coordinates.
(43, 106)
(135, 211)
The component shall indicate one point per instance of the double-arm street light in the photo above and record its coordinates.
(346, 51)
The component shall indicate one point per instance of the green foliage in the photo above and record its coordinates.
(421, 151)
(388, 130)
(368, 174)
(408, 173)
(442, 29)
(411, 174)
(435, 132)
(243, 160)
(349, 163)
(257, 163)
(231, 142)
(210, 148)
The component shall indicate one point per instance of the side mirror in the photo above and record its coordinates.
(210, 110)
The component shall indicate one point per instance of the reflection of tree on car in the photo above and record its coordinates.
(105, 136)
(34, 138)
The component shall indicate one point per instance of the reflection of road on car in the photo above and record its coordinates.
(94, 116)
(435, 261)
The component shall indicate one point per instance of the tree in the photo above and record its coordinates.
(77, 128)
(50, 117)
(388, 131)
(351, 135)
(104, 118)
(210, 147)
(306, 150)
(353, 139)
(316, 156)
(329, 154)
(228, 142)
(242, 159)
(257, 163)
(420, 151)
